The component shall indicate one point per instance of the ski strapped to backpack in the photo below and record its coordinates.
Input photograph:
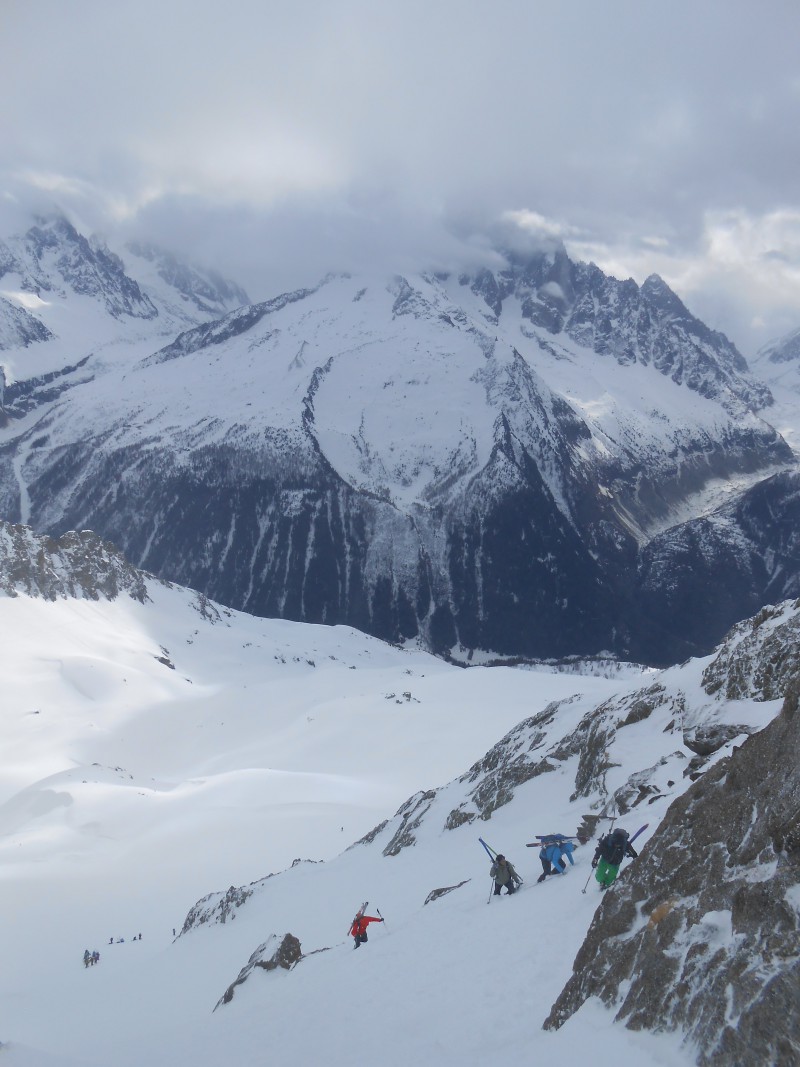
(359, 914)
(641, 830)
(551, 839)
(490, 851)
(493, 856)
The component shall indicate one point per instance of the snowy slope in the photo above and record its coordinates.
(155, 751)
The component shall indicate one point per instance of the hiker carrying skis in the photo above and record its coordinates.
(504, 875)
(611, 850)
(358, 931)
(552, 857)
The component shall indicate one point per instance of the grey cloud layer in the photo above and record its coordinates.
(626, 120)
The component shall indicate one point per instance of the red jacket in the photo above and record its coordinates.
(360, 925)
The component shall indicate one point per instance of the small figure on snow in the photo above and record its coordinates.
(504, 875)
(552, 856)
(611, 850)
(358, 931)
(86, 957)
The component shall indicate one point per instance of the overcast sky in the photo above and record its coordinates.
(277, 141)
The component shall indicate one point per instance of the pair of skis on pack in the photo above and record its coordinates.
(555, 839)
(551, 839)
(493, 856)
(360, 913)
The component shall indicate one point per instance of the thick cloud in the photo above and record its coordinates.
(296, 138)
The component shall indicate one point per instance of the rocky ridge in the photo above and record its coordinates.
(702, 934)
(79, 564)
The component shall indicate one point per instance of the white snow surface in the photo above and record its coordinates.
(152, 755)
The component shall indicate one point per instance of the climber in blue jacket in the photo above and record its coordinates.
(552, 857)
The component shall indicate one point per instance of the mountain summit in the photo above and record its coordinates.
(506, 462)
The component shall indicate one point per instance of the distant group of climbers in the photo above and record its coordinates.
(90, 958)
(121, 940)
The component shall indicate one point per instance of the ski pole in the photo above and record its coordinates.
(587, 881)
(380, 916)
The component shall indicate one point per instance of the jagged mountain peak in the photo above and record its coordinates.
(207, 290)
(478, 461)
(53, 258)
(785, 349)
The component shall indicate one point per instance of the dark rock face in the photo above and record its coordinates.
(76, 565)
(759, 657)
(287, 953)
(628, 323)
(435, 894)
(697, 579)
(702, 933)
(216, 908)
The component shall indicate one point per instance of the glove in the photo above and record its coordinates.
(594, 863)
(381, 919)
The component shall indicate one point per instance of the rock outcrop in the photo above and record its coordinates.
(79, 564)
(702, 934)
(284, 956)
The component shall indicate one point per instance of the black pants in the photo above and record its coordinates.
(497, 887)
(360, 939)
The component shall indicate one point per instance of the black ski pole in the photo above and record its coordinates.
(380, 916)
(587, 881)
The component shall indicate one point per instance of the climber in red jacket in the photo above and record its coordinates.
(358, 931)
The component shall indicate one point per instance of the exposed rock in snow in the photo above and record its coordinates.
(78, 564)
(284, 955)
(702, 933)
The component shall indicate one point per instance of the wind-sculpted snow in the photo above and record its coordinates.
(506, 462)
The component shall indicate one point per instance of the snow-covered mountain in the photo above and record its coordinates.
(502, 462)
(778, 365)
(160, 748)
